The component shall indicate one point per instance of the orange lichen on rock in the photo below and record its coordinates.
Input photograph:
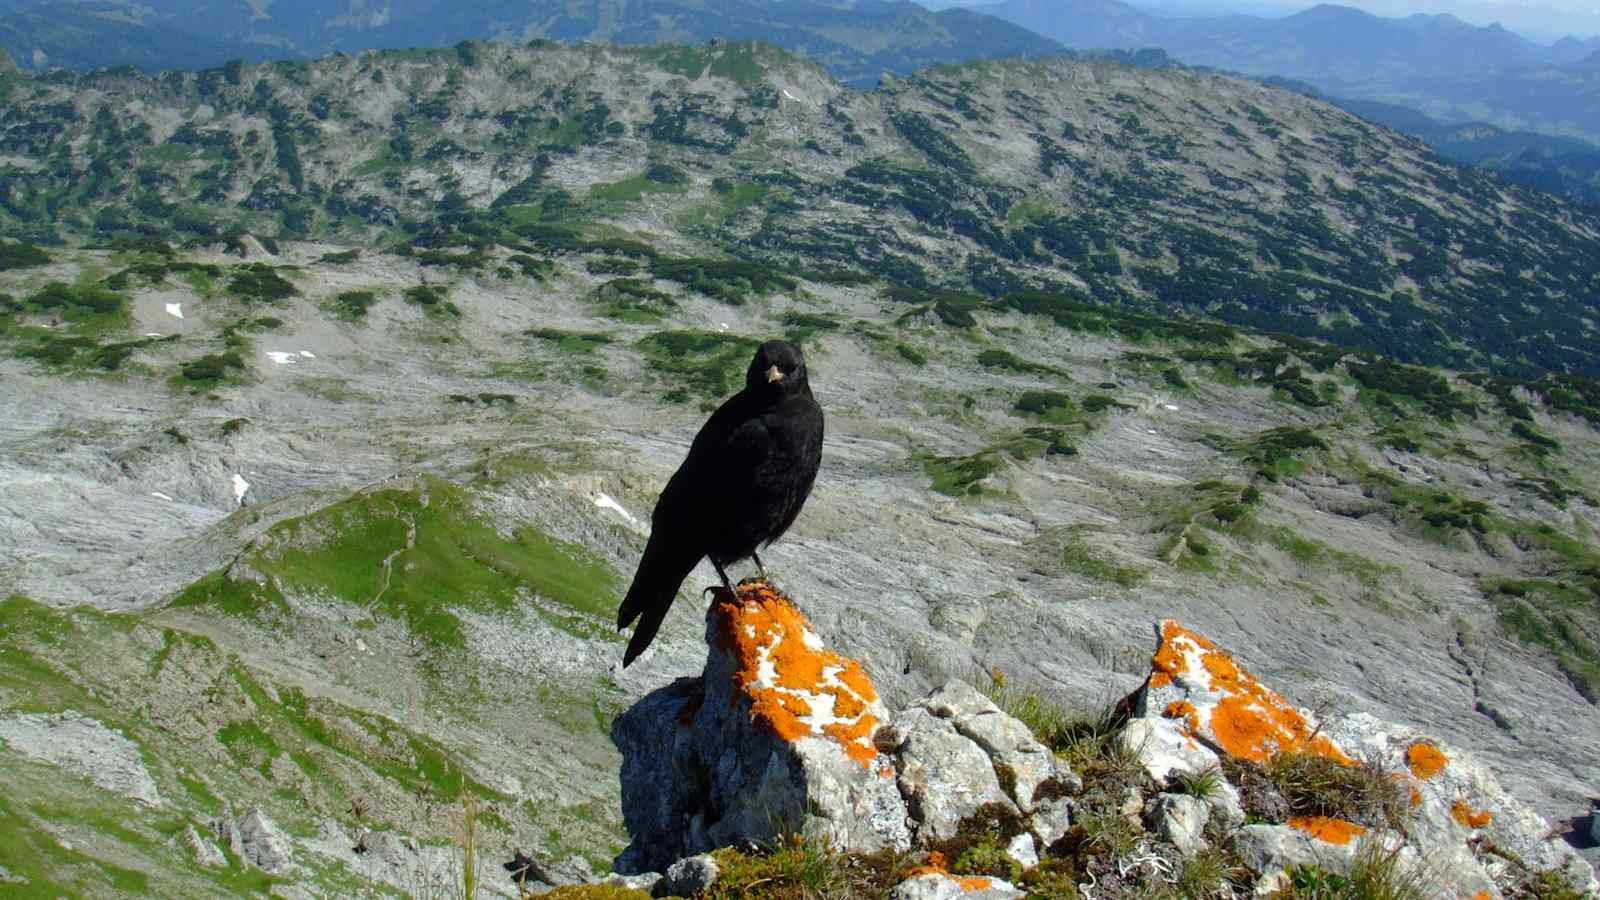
(1415, 796)
(936, 865)
(1482, 895)
(1248, 720)
(798, 687)
(1332, 831)
(1468, 816)
(1425, 760)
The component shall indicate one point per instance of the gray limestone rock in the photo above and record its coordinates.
(1051, 820)
(944, 776)
(1022, 849)
(690, 876)
(206, 854)
(1180, 820)
(701, 770)
(1269, 849)
(939, 886)
(1227, 807)
(644, 882)
(1164, 751)
(262, 842)
(83, 746)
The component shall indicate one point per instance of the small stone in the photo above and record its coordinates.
(646, 882)
(1181, 820)
(1051, 820)
(206, 854)
(688, 877)
(6, 877)
(940, 886)
(1023, 851)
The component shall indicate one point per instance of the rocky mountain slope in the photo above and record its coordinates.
(326, 511)
(1181, 189)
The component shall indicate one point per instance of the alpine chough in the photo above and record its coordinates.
(747, 474)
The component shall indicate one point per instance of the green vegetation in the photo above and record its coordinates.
(962, 476)
(431, 297)
(1080, 558)
(633, 300)
(731, 281)
(1010, 362)
(705, 364)
(212, 368)
(20, 255)
(352, 306)
(570, 341)
(416, 555)
(259, 283)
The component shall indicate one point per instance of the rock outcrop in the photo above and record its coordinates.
(781, 735)
(1200, 710)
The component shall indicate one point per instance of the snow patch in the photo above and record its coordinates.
(1169, 407)
(239, 487)
(175, 310)
(308, 354)
(159, 496)
(604, 501)
(281, 357)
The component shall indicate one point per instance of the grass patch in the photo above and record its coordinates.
(570, 341)
(259, 283)
(1078, 557)
(962, 476)
(431, 297)
(416, 554)
(707, 364)
(352, 306)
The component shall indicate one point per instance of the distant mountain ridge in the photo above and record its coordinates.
(857, 41)
(1448, 68)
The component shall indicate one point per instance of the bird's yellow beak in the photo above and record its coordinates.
(774, 376)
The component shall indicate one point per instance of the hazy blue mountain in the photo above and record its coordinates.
(855, 41)
(92, 35)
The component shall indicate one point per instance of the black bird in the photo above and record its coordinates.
(747, 474)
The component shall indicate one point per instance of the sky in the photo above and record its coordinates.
(1541, 19)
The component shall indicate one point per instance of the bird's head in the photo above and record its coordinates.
(779, 368)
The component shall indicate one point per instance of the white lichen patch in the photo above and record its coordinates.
(81, 745)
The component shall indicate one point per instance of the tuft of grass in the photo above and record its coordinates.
(1080, 558)
(570, 341)
(1375, 874)
(1318, 786)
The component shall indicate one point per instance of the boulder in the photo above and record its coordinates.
(774, 738)
(206, 854)
(691, 876)
(1200, 706)
(259, 840)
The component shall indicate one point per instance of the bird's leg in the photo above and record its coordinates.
(762, 566)
(724, 576)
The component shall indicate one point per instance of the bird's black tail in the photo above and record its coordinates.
(655, 586)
